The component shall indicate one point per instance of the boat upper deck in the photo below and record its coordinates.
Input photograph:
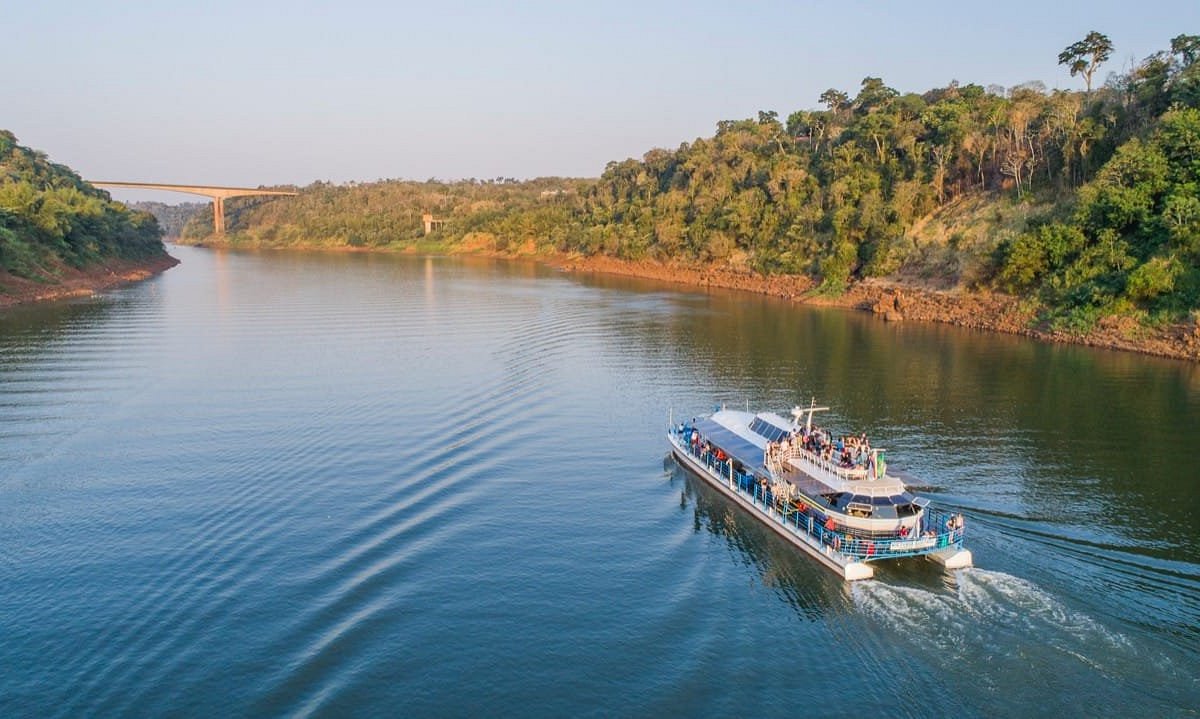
(769, 445)
(838, 479)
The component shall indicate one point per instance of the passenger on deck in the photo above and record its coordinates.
(954, 524)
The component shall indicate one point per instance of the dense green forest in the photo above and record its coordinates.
(1087, 202)
(50, 217)
(388, 213)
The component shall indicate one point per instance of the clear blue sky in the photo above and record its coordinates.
(245, 93)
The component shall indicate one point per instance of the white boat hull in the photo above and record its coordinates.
(848, 569)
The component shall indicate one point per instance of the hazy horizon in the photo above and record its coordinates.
(295, 93)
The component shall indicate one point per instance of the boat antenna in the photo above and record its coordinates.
(812, 407)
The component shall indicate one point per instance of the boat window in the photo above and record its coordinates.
(767, 430)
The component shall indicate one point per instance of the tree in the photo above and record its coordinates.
(835, 100)
(1187, 47)
(873, 95)
(1083, 57)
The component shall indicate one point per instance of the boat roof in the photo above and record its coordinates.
(721, 430)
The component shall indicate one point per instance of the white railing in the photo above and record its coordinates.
(834, 468)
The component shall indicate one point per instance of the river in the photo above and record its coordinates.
(271, 484)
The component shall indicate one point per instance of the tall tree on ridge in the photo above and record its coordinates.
(1083, 57)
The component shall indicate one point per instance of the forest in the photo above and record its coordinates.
(50, 217)
(1086, 202)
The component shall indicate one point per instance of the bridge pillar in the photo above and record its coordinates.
(218, 215)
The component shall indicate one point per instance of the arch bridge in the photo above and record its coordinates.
(218, 195)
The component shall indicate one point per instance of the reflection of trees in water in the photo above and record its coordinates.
(811, 589)
(1066, 435)
(30, 331)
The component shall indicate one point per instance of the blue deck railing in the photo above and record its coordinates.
(933, 533)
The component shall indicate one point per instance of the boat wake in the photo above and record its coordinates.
(998, 630)
(982, 600)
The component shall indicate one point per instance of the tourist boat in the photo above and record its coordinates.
(831, 496)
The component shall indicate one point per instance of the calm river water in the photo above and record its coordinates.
(354, 485)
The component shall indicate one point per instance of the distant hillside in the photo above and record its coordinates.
(1087, 203)
(171, 218)
(388, 213)
(50, 218)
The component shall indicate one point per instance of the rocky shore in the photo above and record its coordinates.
(72, 282)
(896, 302)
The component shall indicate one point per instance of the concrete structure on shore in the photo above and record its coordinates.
(430, 223)
(217, 194)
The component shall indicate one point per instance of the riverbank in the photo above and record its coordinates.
(889, 300)
(894, 301)
(72, 282)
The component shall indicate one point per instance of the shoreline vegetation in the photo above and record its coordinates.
(893, 302)
(62, 237)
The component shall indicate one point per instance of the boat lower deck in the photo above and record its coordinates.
(827, 553)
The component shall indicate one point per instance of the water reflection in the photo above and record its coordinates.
(813, 591)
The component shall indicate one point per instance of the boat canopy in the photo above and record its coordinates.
(734, 445)
(769, 430)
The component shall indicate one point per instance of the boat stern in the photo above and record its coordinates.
(858, 570)
(952, 558)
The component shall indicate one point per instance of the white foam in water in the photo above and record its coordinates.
(985, 606)
(1019, 602)
(937, 618)
(1001, 630)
